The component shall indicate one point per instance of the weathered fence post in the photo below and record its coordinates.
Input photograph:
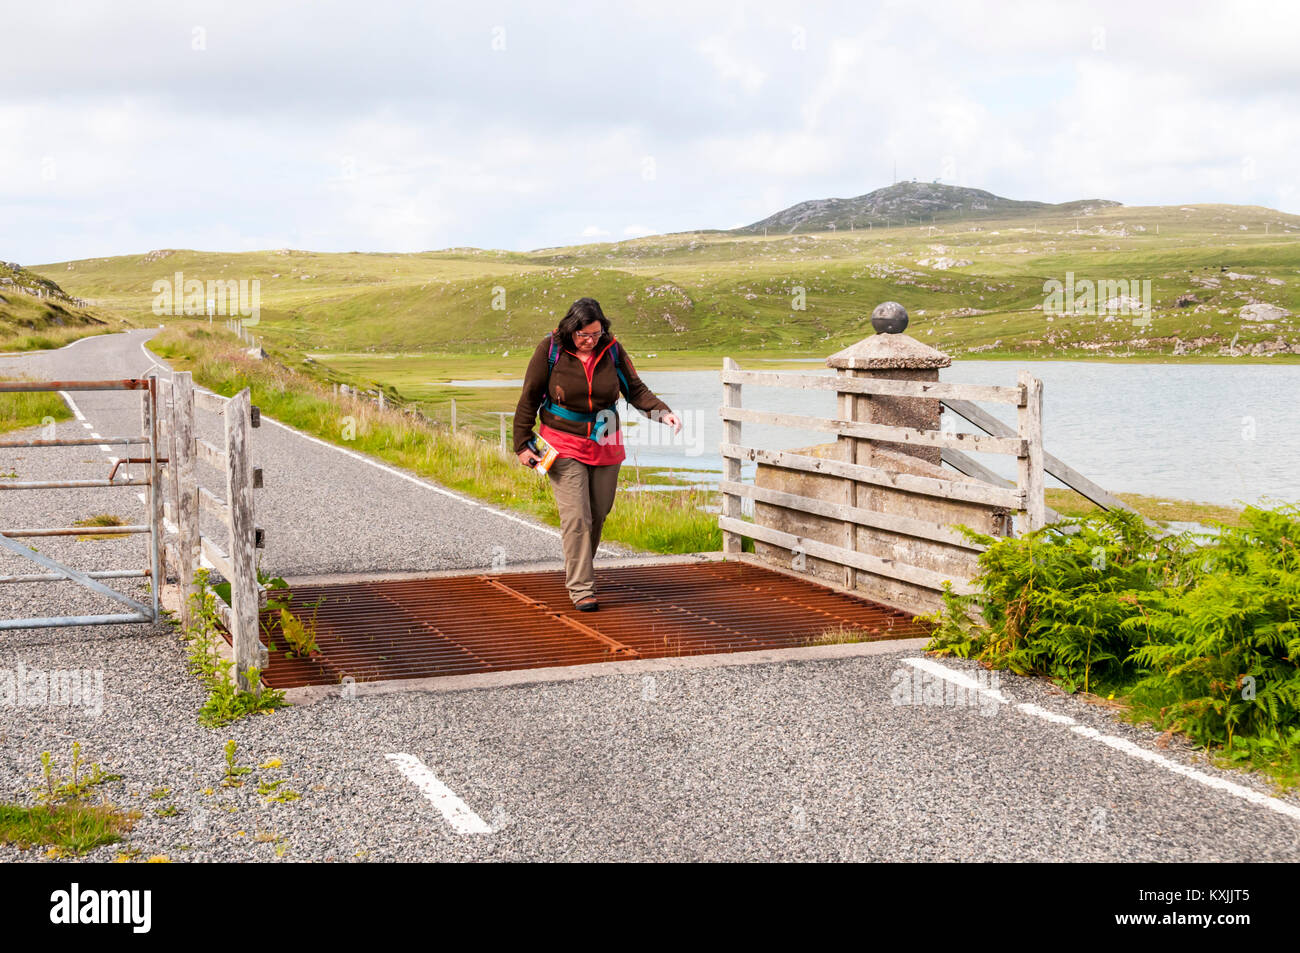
(453, 415)
(731, 507)
(157, 555)
(181, 463)
(502, 415)
(888, 355)
(173, 478)
(1030, 460)
(239, 495)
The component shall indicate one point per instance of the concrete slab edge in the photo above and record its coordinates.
(572, 673)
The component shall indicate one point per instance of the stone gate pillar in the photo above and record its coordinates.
(889, 354)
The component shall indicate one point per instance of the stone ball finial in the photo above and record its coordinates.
(890, 317)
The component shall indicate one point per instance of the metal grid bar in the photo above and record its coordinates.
(77, 530)
(58, 622)
(73, 484)
(96, 574)
(76, 576)
(18, 387)
(459, 625)
(74, 442)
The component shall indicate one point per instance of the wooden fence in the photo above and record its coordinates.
(186, 547)
(839, 502)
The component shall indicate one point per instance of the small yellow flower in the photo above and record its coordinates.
(273, 763)
(159, 859)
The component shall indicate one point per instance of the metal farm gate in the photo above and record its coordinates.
(171, 451)
(93, 580)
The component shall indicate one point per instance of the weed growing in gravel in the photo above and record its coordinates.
(843, 635)
(226, 701)
(56, 788)
(100, 519)
(273, 788)
(234, 771)
(63, 820)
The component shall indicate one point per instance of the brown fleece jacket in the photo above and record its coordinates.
(569, 387)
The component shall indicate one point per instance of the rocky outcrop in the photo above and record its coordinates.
(895, 204)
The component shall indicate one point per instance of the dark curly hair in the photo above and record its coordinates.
(580, 314)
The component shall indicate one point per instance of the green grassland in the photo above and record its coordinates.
(35, 313)
(712, 293)
(411, 323)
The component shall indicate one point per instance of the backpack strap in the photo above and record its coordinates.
(615, 353)
(552, 356)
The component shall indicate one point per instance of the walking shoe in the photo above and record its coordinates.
(587, 604)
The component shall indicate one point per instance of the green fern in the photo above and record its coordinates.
(1202, 638)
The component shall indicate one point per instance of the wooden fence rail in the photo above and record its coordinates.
(1025, 497)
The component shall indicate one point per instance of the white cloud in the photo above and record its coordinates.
(136, 141)
(731, 67)
(638, 231)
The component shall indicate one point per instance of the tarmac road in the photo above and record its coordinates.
(862, 757)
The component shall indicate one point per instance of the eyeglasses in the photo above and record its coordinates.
(593, 336)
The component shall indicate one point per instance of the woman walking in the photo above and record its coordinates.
(574, 379)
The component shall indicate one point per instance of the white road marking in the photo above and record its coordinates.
(456, 811)
(76, 411)
(1046, 715)
(1119, 744)
(397, 473)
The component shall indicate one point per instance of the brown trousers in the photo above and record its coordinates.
(584, 495)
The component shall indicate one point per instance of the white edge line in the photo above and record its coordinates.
(398, 473)
(76, 411)
(1119, 744)
(456, 811)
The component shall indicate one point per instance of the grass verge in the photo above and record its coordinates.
(31, 409)
(1159, 508)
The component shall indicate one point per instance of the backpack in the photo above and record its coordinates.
(599, 420)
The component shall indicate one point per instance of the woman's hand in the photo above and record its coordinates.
(528, 458)
(672, 420)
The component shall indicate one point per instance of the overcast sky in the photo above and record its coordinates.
(386, 126)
